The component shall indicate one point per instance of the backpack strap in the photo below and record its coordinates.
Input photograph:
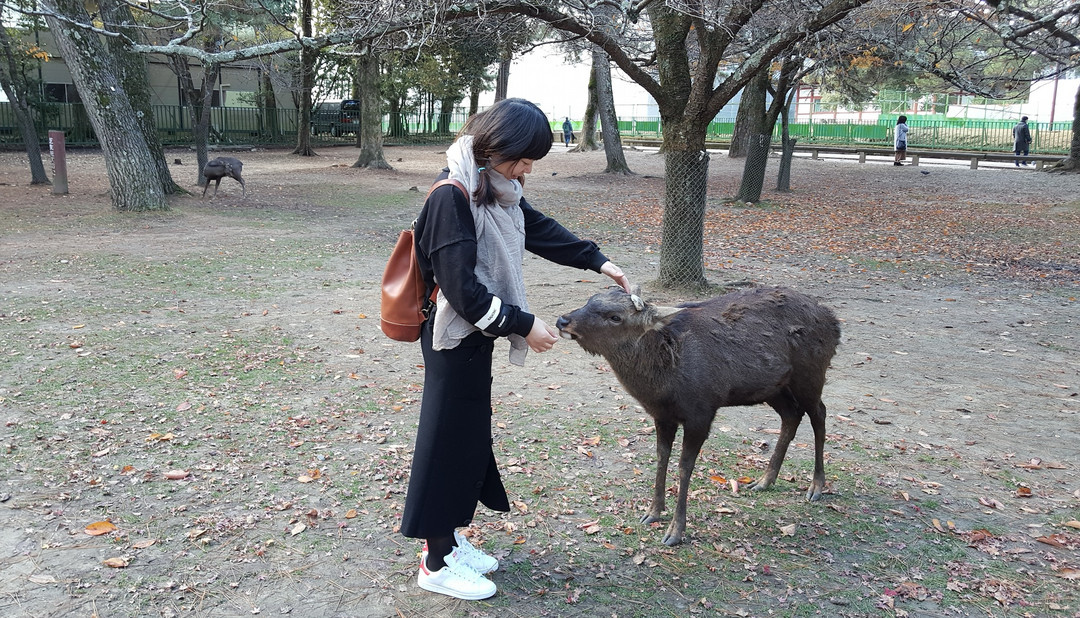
(430, 302)
(447, 181)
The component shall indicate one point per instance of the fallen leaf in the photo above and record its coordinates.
(43, 578)
(1069, 573)
(143, 544)
(177, 475)
(589, 524)
(788, 530)
(1073, 524)
(116, 563)
(990, 502)
(351, 513)
(592, 529)
(99, 528)
(183, 405)
(1054, 540)
(297, 529)
(1023, 492)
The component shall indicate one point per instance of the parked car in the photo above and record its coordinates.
(336, 117)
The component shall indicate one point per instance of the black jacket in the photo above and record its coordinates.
(446, 250)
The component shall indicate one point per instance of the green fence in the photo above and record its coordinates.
(252, 126)
(948, 134)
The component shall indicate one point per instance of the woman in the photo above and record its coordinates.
(900, 140)
(472, 246)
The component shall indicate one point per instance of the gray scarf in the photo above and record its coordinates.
(500, 249)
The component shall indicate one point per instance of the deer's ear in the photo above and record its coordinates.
(638, 303)
(663, 315)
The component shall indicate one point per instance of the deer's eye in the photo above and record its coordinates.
(615, 318)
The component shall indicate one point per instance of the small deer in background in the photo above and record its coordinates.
(223, 167)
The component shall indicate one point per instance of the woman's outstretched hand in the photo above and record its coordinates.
(542, 337)
(616, 273)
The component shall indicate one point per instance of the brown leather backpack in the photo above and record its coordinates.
(405, 302)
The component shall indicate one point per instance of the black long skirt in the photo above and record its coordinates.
(453, 465)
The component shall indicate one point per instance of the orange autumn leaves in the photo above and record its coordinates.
(99, 528)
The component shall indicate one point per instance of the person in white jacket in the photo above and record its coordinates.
(900, 140)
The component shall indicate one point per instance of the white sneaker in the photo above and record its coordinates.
(466, 552)
(456, 579)
(476, 558)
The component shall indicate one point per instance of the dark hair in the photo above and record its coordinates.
(901, 119)
(510, 130)
(1024, 119)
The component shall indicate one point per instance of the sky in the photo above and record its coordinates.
(561, 89)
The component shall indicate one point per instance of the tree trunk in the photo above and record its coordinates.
(787, 145)
(783, 177)
(199, 107)
(129, 163)
(685, 185)
(18, 93)
(446, 114)
(1074, 146)
(751, 115)
(268, 103)
(137, 86)
(371, 133)
(474, 100)
(397, 123)
(753, 177)
(502, 82)
(307, 84)
(586, 142)
(609, 122)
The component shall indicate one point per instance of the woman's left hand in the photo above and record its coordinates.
(616, 273)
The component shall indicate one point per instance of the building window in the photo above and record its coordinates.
(62, 93)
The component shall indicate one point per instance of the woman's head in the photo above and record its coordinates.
(510, 130)
(901, 120)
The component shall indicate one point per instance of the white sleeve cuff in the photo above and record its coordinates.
(491, 315)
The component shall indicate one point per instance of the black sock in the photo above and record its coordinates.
(438, 549)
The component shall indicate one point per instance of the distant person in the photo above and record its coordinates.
(900, 140)
(567, 132)
(1021, 141)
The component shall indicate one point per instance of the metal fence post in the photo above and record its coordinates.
(59, 157)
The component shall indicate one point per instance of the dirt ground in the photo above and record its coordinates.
(957, 290)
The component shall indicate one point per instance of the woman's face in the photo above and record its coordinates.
(515, 169)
